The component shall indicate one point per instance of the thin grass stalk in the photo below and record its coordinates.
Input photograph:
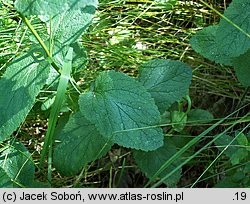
(183, 150)
(176, 156)
(55, 110)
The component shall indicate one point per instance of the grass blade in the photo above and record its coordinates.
(185, 148)
(61, 89)
(197, 180)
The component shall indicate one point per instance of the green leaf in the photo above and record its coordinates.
(200, 116)
(70, 18)
(16, 166)
(58, 103)
(77, 144)
(226, 40)
(236, 180)
(229, 39)
(79, 60)
(19, 87)
(236, 152)
(242, 140)
(222, 143)
(238, 156)
(179, 120)
(204, 42)
(166, 118)
(167, 81)
(151, 162)
(242, 68)
(121, 108)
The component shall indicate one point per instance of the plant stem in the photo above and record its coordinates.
(227, 19)
(50, 163)
(55, 110)
(33, 31)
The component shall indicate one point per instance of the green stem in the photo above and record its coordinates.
(50, 163)
(55, 110)
(33, 31)
(189, 104)
(227, 19)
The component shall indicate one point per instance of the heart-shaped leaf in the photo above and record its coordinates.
(121, 108)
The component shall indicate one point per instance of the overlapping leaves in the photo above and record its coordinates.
(69, 18)
(78, 143)
(121, 108)
(117, 108)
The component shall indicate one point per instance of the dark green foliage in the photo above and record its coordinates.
(16, 166)
(77, 144)
(151, 162)
(166, 80)
(122, 109)
(228, 42)
(237, 150)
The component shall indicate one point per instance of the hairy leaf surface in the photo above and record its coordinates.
(151, 162)
(204, 42)
(77, 144)
(224, 41)
(70, 18)
(16, 166)
(229, 39)
(121, 108)
(166, 80)
(228, 42)
(19, 87)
